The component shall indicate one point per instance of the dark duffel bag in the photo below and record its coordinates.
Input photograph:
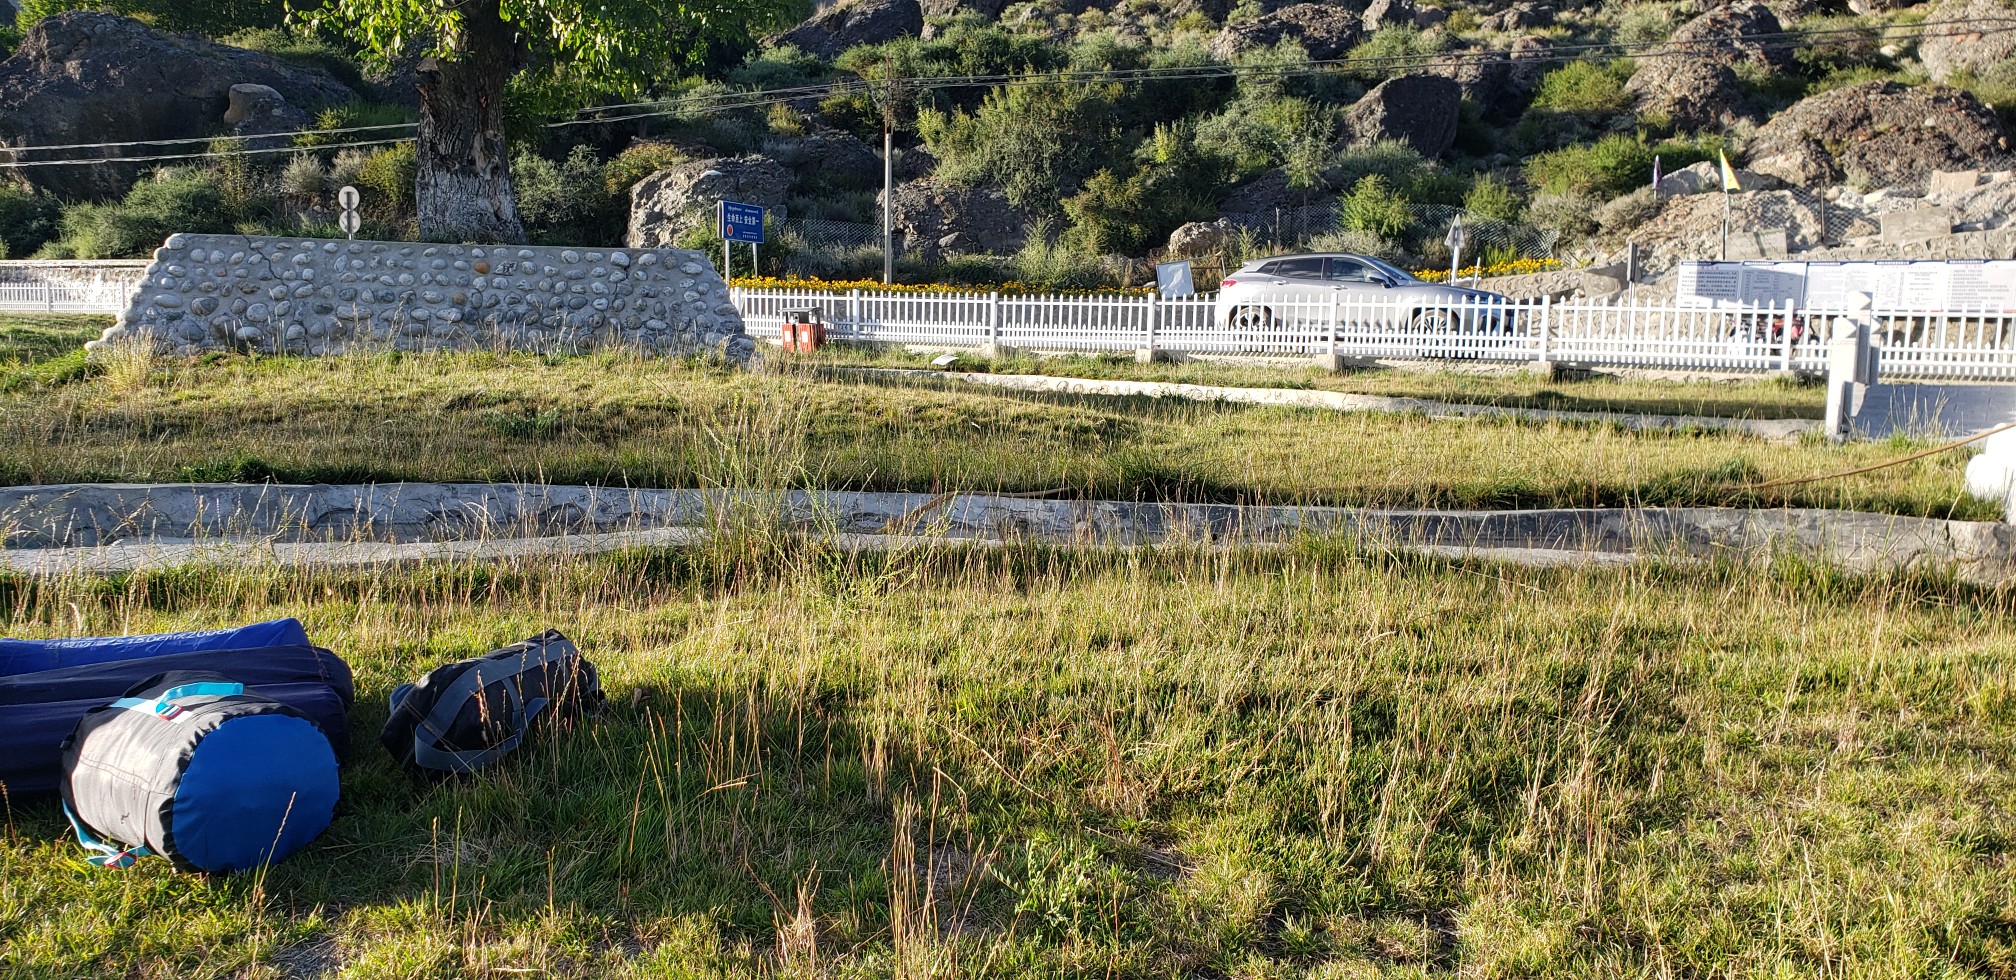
(39, 709)
(191, 766)
(466, 715)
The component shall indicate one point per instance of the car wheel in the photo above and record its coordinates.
(1435, 331)
(1252, 326)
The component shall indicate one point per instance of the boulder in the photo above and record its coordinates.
(1706, 176)
(668, 203)
(1690, 93)
(1530, 57)
(1866, 7)
(1324, 31)
(989, 9)
(1881, 133)
(1484, 77)
(1419, 110)
(1730, 35)
(852, 23)
(87, 77)
(934, 219)
(1520, 17)
(1201, 238)
(828, 159)
(1389, 13)
(1258, 200)
(256, 110)
(1952, 51)
(1428, 17)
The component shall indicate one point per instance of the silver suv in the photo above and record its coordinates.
(1268, 293)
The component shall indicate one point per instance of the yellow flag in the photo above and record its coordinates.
(1728, 174)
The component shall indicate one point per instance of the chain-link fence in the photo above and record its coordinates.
(847, 248)
(1287, 229)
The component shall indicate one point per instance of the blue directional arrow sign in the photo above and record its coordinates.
(741, 222)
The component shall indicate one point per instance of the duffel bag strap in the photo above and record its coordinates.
(164, 706)
(432, 729)
(427, 755)
(107, 856)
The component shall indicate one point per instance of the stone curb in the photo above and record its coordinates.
(1338, 401)
(419, 521)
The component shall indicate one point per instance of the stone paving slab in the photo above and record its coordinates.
(1339, 401)
(182, 523)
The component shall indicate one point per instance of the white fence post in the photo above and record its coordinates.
(48, 296)
(1147, 353)
(1545, 353)
(993, 348)
(1785, 335)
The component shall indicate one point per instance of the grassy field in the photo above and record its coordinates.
(1752, 398)
(617, 419)
(1317, 763)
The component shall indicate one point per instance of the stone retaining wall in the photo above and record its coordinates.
(318, 296)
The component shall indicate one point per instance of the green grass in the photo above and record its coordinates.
(620, 420)
(40, 350)
(1316, 763)
(1757, 399)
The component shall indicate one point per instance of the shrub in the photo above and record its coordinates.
(392, 172)
(352, 115)
(1035, 143)
(177, 200)
(1606, 168)
(1493, 200)
(565, 203)
(304, 178)
(1629, 211)
(27, 220)
(1569, 215)
(1111, 214)
(308, 52)
(1394, 51)
(639, 161)
(213, 17)
(1586, 88)
(347, 169)
(1644, 24)
(1255, 135)
(1375, 208)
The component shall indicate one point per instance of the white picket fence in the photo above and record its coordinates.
(47, 296)
(1758, 339)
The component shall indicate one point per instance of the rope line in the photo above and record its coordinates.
(1795, 481)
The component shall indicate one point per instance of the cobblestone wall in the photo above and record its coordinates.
(317, 296)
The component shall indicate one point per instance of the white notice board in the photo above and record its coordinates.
(1972, 286)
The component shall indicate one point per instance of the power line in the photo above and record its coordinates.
(728, 102)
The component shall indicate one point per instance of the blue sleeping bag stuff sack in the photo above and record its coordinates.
(47, 685)
(192, 767)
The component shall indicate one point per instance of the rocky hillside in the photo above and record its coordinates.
(1050, 138)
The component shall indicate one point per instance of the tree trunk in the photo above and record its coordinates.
(465, 191)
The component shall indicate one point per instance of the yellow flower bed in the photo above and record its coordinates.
(1010, 287)
(1516, 267)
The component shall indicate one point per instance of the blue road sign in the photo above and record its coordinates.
(741, 222)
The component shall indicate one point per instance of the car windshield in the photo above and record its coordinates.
(1396, 274)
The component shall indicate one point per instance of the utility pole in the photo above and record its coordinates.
(888, 170)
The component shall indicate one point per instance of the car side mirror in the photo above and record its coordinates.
(1384, 283)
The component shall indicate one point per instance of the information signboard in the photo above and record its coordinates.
(741, 222)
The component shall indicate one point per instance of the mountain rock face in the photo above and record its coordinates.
(1419, 110)
(1879, 132)
(1946, 54)
(256, 110)
(844, 25)
(935, 219)
(1325, 31)
(678, 199)
(88, 77)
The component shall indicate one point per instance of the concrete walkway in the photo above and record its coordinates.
(112, 528)
(1338, 401)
